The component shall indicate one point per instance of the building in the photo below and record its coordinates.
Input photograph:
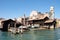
(38, 18)
(7, 24)
(1, 19)
(41, 19)
(19, 19)
(58, 22)
(23, 20)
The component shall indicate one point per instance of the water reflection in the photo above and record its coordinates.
(32, 35)
(57, 33)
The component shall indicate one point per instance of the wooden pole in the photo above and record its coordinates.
(15, 25)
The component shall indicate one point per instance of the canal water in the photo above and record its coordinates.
(32, 35)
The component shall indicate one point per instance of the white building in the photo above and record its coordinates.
(33, 15)
(37, 15)
(1, 19)
(19, 19)
(51, 13)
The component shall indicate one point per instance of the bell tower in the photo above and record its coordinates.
(51, 14)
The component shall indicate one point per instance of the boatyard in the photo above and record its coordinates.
(29, 20)
(36, 21)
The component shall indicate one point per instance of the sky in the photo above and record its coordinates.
(17, 8)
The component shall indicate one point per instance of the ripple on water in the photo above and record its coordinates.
(32, 35)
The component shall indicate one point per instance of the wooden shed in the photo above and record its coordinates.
(9, 23)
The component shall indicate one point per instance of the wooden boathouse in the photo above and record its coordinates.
(42, 20)
(9, 23)
(47, 23)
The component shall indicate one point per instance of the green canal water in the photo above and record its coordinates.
(32, 35)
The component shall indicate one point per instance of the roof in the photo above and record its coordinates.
(41, 16)
(38, 17)
(50, 20)
(9, 20)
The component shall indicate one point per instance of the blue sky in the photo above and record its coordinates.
(17, 8)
